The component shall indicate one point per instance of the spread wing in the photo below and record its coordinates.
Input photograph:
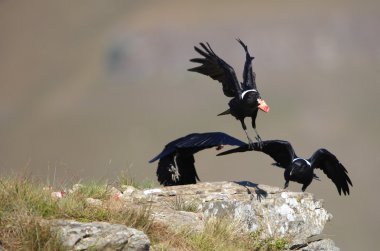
(176, 161)
(198, 141)
(215, 67)
(207, 140)
(169, 149)
(249, 77)
(280, 150)
(326, 161)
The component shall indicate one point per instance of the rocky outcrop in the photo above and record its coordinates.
(272, 211)
(269, 212)
(99, 236)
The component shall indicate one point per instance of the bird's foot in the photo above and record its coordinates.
(174, 173)
(259, 141)
(250, 144)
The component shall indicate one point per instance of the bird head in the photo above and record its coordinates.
(299, 166)
(262, 105)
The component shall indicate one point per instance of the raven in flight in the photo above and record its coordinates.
(299, 169)
(246, 99)
(176, 161)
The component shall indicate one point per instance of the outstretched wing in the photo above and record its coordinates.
(215, 67)
(249, 77)
(176, 165)
(207, 140)
(198, 141)
(280, 150)
(326, 161)
(169, 149)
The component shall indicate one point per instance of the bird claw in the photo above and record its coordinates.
(259, 142)
(174, 173)
(250, 144)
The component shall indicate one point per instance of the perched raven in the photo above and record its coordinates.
(299, 169)
(176, 165)
(246, 99)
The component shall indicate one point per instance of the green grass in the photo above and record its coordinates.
(93, 190)
(267, 244)
(24, 203)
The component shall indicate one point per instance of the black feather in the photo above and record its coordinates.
(176, 165)
(283, 153)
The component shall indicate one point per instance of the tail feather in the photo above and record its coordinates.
(225, 112)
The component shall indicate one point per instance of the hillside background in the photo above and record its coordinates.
(89, 89)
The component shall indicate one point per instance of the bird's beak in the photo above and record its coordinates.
(263, 106)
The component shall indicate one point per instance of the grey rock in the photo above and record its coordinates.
(99, 236)
(319, 245)
(274, 211)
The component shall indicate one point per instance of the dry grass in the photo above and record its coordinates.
(219, 234)
(223, 234)
(180, 204)
(24, 203)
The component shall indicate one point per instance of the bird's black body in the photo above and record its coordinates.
(246, 98)
(298, 169)
(176, 161)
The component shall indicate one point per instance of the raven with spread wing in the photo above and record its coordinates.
(246, 99)
(299, 169)
(176, 161)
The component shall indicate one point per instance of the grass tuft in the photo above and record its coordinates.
(218, 234)
(179, 204)
(267, 244)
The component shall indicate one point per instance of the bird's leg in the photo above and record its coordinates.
(173, 169)
(258, 138)
(250, 142)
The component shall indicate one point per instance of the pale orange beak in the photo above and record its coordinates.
(263, 106)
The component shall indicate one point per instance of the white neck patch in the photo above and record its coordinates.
(245, 92)
(302, 159)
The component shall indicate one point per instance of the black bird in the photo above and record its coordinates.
(246, 99)
(176, 165)
(299, 169)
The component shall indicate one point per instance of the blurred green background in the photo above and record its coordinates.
(89, 89)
